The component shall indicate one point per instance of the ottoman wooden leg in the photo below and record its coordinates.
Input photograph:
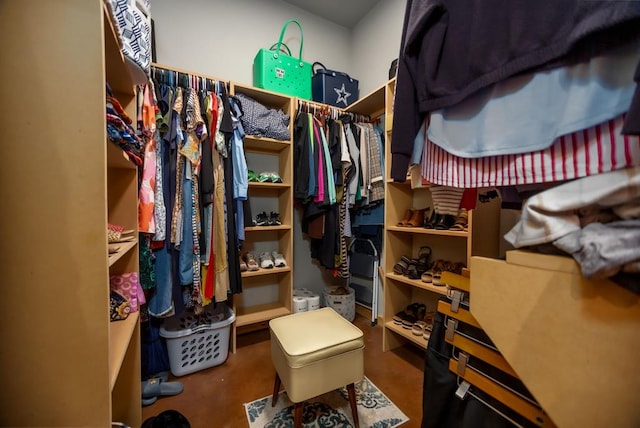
(276, 389)
(352, 401)
(297, 415)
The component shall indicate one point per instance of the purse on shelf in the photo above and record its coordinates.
(279, 72)
(333, 87)
(128, 285)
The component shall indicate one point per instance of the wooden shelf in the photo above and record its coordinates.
(260, 313)
(125, 247)
(418, 283)
(267, 228)
(120, 333)
(422, 230)
(371, 104)
(407, 334)
(117, 68)
(265, 97)
(261, 272)
(117, 158)
(253, 184)
(257, 144)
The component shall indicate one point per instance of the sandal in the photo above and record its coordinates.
(415, 269)
(437, 267)
(401, 267)
(243, 265)
(424, 258)
(410, 319)
(462, 221)
(437, 276)
(409, 311)
(155, 387)
(428, 319)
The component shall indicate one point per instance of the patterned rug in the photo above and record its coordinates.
(329, 410)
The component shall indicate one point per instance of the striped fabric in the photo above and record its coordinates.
(446, 200)
(591, 151)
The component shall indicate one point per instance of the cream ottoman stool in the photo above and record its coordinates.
(314, 353)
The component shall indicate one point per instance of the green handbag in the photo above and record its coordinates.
(279, 72)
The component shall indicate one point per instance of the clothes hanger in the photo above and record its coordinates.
(503, 395)
(472, 394)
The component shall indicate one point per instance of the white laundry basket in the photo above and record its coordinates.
(197, 343)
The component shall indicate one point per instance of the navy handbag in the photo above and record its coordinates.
(333, 87)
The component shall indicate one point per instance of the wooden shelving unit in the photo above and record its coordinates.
(457, 246)
(68, 365)
(271, 289)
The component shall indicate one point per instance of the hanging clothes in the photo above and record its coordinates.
(591, 151)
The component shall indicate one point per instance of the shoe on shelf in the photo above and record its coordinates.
(407, 216)
(409, 320)
(252, 265)
(432, 221)
(436, 269)
(445, 222)
(417, 218)
(278, 259)
(266, 260)
(269, 177)
(274, 177)
(262, 219)
(274, 219)
(461, 223)
(243, 265)
(401, 267)
(408, 312)
(252, 176)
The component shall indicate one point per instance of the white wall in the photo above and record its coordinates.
(375, 42)
(221, 38)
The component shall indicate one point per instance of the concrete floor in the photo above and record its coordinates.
(215, 397)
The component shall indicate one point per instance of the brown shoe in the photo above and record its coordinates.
(407, 216)
(417, 219)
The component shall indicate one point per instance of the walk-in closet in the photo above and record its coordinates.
(373, 213)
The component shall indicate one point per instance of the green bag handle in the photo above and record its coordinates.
(284, 28)
(285, 50)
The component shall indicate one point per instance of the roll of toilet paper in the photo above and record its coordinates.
(313, 302)
(299, 304)
(302, 292)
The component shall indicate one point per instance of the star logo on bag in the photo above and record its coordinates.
(342, 95)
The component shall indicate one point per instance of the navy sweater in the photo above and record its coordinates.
(452, 48)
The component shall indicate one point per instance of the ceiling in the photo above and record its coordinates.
(343, 12)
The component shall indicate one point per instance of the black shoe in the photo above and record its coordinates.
(274, 219)
(262, 219)
(433, 220)
(445, 222)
